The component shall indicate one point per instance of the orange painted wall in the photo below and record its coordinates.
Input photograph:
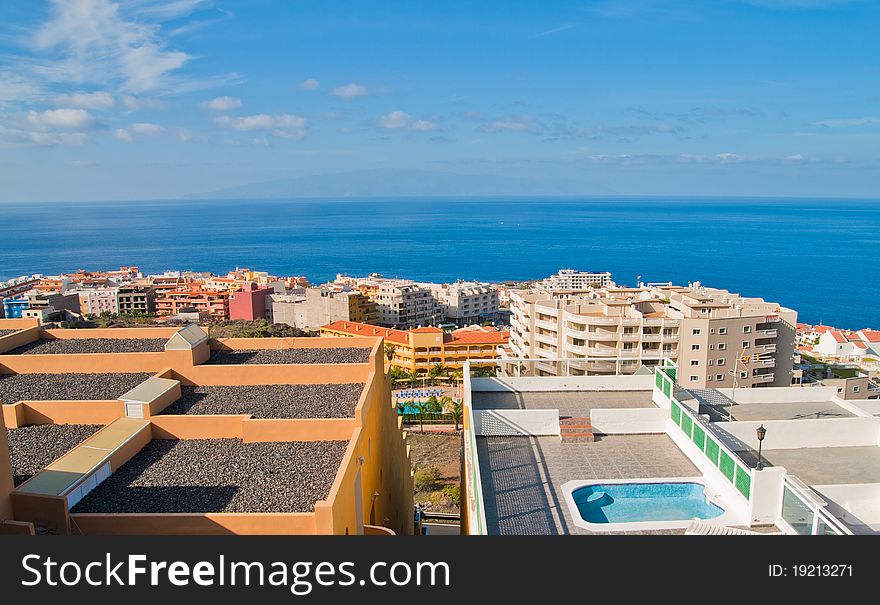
(63, 412)
(299, 429)
(197, 427)
(17, 339)
(196, 524)
(217, 375)
(93, 363)
(6, 482)
(289, 343)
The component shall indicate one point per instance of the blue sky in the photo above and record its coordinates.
(143, 99)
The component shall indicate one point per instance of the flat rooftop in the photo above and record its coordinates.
(825, 465)
(32, 448)
(219, 475)
(569, 403)
(69, 346)
(270, 401)
(717, 406)
(51, 387)
(290, 356)
(522, 476)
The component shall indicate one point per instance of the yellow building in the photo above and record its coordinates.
(419, 349)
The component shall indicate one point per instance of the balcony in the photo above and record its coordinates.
(634, 337)
(545, 338)
(770, 333)
(766, 348)
(629, 353)
(602, 321)
(602, 366)
(582, 350)
(767, 363)
(602, 351)
(653, 353)
(761, 378)
(545, 353)
(603, 335)
(652, 321)
(630, 321)
(650, 338)
(670, 338)
(547, 325)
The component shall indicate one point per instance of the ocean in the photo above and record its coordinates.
(819, 257)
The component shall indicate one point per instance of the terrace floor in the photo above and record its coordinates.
(522, 476)
(270, 400)
(56, 387)
(569, 403)
(717, 406)
(825, 465)
(290, 356)
(219, 475)
(70, 346)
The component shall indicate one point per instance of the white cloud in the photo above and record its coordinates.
(401, 120)
(15, 88)
(184, 135)
(222, 104)
(283, 125)
(310, 84)
(502, 125)
(123, 135)
(848, 122)
(146, 129)
(70, 119)
(95, 41)
(137, 103)
(87, 100)
(350, 91)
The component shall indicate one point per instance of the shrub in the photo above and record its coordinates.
(453, 493)
(426, 477)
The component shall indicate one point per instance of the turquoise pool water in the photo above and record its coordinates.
(634, 502)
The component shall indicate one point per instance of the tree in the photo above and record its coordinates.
(437, 370)
(421, 409)
(453, 408)
(390, 350)
(433, 406)
(401, 408)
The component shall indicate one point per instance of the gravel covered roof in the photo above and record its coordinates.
(62, 346)
(43, 387)
(290, 356)
(219, 475)
(270, 401)
(32, 448)
(5, 332)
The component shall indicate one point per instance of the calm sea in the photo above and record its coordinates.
(818, 257)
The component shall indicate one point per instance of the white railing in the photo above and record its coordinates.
(475, 502)
(805, 513)
(545, 338)
(547, 325)
(651, 337)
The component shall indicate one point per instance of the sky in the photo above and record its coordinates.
(151, 99)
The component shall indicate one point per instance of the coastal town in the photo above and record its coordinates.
(597, 383)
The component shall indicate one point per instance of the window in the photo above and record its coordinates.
(695, 362)
(747, 329)
(711, 347)
(719, 376)
(709, 378)
(711, 362)
(745, 344)
(711, 330)
(722, 330)
(695, 347)
(722, 361)
(696, 331)
(694, 378)
(743, 374)
(856, 389)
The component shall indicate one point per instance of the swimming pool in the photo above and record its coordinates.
(640, 504)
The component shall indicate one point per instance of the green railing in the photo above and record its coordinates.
(728, 463)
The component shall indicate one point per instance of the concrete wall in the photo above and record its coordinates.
(24, 413)
(565, 383)
(857, 505)
(781, 394)
(516, 422)
(629, 421)
(795, 434)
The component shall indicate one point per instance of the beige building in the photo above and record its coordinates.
(710, 334)
(317, 307)
(404, 304)
(465, 302)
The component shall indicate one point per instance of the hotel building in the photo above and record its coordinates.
(714, 335)
(418, 349)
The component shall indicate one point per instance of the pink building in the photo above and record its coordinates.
(250, 303)
(99, 301)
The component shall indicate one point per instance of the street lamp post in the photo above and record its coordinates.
(761, 432)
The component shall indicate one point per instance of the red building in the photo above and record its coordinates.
(249, 304)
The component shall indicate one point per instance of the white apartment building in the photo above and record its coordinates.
(716, 337)
(465, 302)
(406, 305)
(569, 279)
(99, 300)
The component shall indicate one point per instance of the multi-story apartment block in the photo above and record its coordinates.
(213, 303)
(95, 301)
(465, 302)
(404, 304)
(569, 279)
(136, 299)
(249, 303)
(418, 349)
(716, 337)
(319, 306)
